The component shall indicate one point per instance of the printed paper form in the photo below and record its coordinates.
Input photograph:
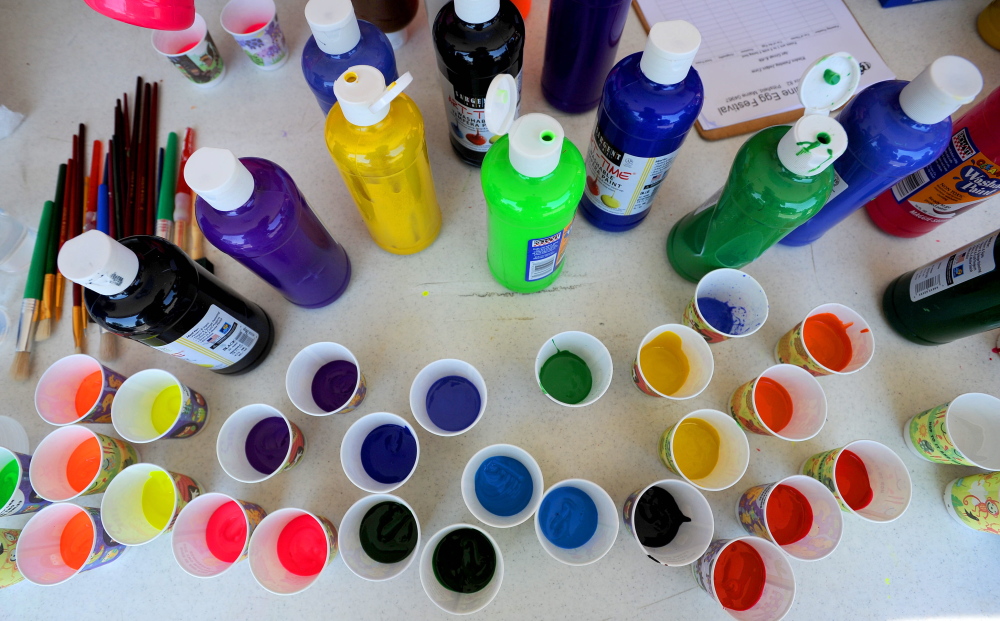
(753, 52)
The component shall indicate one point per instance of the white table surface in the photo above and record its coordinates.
(64, 64)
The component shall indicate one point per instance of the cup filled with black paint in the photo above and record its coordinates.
(448, 397)
(785, 401)
(727, 304)
(671, 521)
(289, 550)
(325, 378)
(576, 522)
(257, 442)
(379, 536)
(749, 577)
(461, 569)
(212, 534)
(502, 485)
(379, 452)
(573, 369)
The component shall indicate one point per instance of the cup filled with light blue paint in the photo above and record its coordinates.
(727, 304)
(379, 452)
(502, 485)
(576, 522)
(573, 369)
(448, 397)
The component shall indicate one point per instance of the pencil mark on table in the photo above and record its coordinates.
(666, 598)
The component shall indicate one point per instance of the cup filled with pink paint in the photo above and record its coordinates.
(727, 304)
(502, 485)
(707, 449)
(671, 522)
(573, 369)
(580, 541)
(153, 405)
(867, 478)
(74, 461)
(379, 452)
(448, 397)
(143, 502)
(77, 389)
(257, 442)
(785, 401)
(461, 569)
(674, 362)
(325, 378)
(379, 537)
(193, 52)
(9, 573)
(17, 496)
(62, 541)
(831, 340)
(963, 432)
(212, 534)
(254, 26)
(750, 577)
(289, 550)
(173, 15)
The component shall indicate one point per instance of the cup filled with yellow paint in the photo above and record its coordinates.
(573, 369)
(74, 461)
(707, 448)
(674, 362)
(671, 522)
(831, 340)
(963, 432)
(289, 550)
(785, 401)
(727, 304)
(77, 389)
(63, 540)
(212, 534)
(143, 502)
(9, 573)
(749, 577)
(257, 442)
(153, 404)
(325, 378)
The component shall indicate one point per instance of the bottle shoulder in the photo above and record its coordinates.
(382, 149)
(532, 198)
(639, 106)
(373, 49)
(496, 43)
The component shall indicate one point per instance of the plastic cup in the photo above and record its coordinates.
(469, 485)
(303, 368)
(734, 451)
(9, 573)
(964, 432)
(122, 505)
(827, 525)
(779, 583)
(593, 352)
(265, 564)
(350, 451)
(433, 372)
(231, 444)
(39, 548)
(808, 404)
(22, 499)
(887, 474)
(48, 469)
(604, 537)
(13, 436)
(189, 542)
(972, 501)
(132, 410)
(791, 348)
(56, 393)
(692, 538)
(193, 52)
(254, 25)
(735, 288)
(452, 601)
(355, 557)
(700, 361)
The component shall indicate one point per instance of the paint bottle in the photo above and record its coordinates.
(339, 41)
(375, 136)
(651, 99)
(475, 40)
(966, 174)
(894, 128)
(956, 296)
(780, 178)
(148, 290)
(251, 209)
(390, 16)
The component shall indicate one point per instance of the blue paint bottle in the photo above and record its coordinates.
(651, 100)
(894, 128)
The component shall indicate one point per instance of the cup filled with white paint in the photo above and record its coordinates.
(727, 304)
(963, 432)
(867, 478)
(670, 520)
(379, 537)
(461, 569)
(673, 361)
(379, 452)
(153, 405)
(592, 529)
(750, 577)
(573, 369)
(785, 401)
(448, 397)
(212, 534)
(325, 378)
(502, 485)
(707, 448)
(289, 550)
(257, 442)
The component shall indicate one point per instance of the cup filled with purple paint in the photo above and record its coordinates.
(448, 397)
(576, 522)
(257, 442)
(77, 389)
(573, 369)
(502, 485)
(727, 304)
(379, 452)
(325, 378)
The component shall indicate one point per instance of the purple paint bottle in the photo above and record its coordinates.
(251, 209)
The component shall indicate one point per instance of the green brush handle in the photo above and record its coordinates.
(165, 205)
(36, 273)
(53, 251)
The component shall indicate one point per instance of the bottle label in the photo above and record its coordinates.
(216, 342)
(545, 254)
(619, 183)
(467, 118)
(965, 264)
(839, 185)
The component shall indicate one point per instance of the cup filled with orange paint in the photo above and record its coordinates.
(254, 26)
(77, 389)
(74, 461)
(16, 494)
(671, 522)
(193, 52)
(325, 378)
(289, 549)
(143, 502)
(257, 442)
(9, 573)
(212, 534)
(785, 401)
(831, 340)
(963, 432)
(750, 577)
(727, 304)
(674, 362)
(62, 541)
(867, 478)
(707, 449)
(153, 405)
(573, 369)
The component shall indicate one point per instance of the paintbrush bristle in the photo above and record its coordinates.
(21, 367)
(109, 346)
(43, 329)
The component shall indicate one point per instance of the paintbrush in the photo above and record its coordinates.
(165, 206)
(21, 367)
(44, 329)
(76, 227)
(152, 185)
(109, 342)
(90, 205)
(64, 218)
(182, 195)
(198, 245)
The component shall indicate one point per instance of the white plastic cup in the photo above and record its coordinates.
(791, 348)
(303, 368)
(963, 432)
(469, 485)
(737, 289)
(132, 409)
(201, 64)
(47, 471)
(779, 583)
(432, 373)
(692, 538)
(13, 436)
(265, 46)
(888, 476)
(188, 539)
(122, 505)
(808, 404)
(39, 554)
(701, 364)
(350, 451)
(593, 352)
(734, 451)
(451, 601)
(604, 537)
(355, 557)
(231, 444)
(55, 394)
(265, 566)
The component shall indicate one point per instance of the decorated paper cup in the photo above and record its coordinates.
(425, 389)
(254, 25)
(16, 494)
(502, 486)
(288, 538)
(701, 364)
(143, 502)
(257, 442)
(805, 396)
(9, 573)
(153, 405)
(354, 441)
(63, 540)
(779, 583)
(352, 550)
(792, 349)
(734, 451)
(212, 534)
(974, 501)
(302, 376)
(193, 52)
(887, 475)
(594, 548)
(77, 389)
(727, 304)
(692, 537)
(452, 601)
(591, 351)
(74, 461)
(964, 432)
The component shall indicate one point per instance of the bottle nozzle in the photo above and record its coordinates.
(363, 97)
(391, 92)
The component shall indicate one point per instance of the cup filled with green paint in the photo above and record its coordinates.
(257, 442)
(153, 405)
(831, 340)
(963, 432)
(9, 573)
(324, 379)
(448, 397)
(461, 569)
(573, 369)
(707, 449)
(143, 502)
(750, 577)
(674, 362)
(379, 452)
(502, 485)
(289, 550)
(785, 401)
(16, 494)
(972, 501)
(727, 304)
(576, 522)
(867, 478)
(75, 461)
(379, 537)
(77, 389)
(212, 534)
(671, 522)
(63, 540)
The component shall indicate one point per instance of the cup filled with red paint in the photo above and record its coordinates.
(143, 502)
(290, 548)
(77, 389)
(831, 340)
(17, 496)
(193, 52)
(325, 378)
(379, 537)
(674, 362)
(448, 397)
(379, 452)
(798, 513)
(502, 485)
(212, 534)
(9, 573)
(573, 369)
(785, 401)
(727, 304)
(74, 461)
(257, 442)
(749, 576)
(867, 478)
(963, 432)
(254, 26)
(153, 405)
(576, 522)
(707, 449)
(972, 501)
(461, 569)
(63, 540)
(671, 522)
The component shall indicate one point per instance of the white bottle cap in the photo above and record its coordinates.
(98, 262)
(670, 51)
(536, 144)
(943, 87)
(812, 144)
(500, 104)
(334, 25)
(219, 177)
(476, 11)
(363, 96)
(829, 82)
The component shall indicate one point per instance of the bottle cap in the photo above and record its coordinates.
(500, 108)
(943, 87)
(476, 11)
(334, 25)
(219, 177)
(535, 144)
(812, 144)
(363, 96)
(829, 82)
(670, 50)
(98, 262)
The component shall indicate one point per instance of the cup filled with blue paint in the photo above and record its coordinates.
(576, 522)
(325, 378)
(707, 449)
(502, 485)
(257, 442)
(379, 452)
(289, 550)
(153, 405)
(212, 534)
(448, 397)
(77, 389)
(727, 304)
(573, 369)
(670, 520)
(143, 502)
(461, 569)
(379, 537)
